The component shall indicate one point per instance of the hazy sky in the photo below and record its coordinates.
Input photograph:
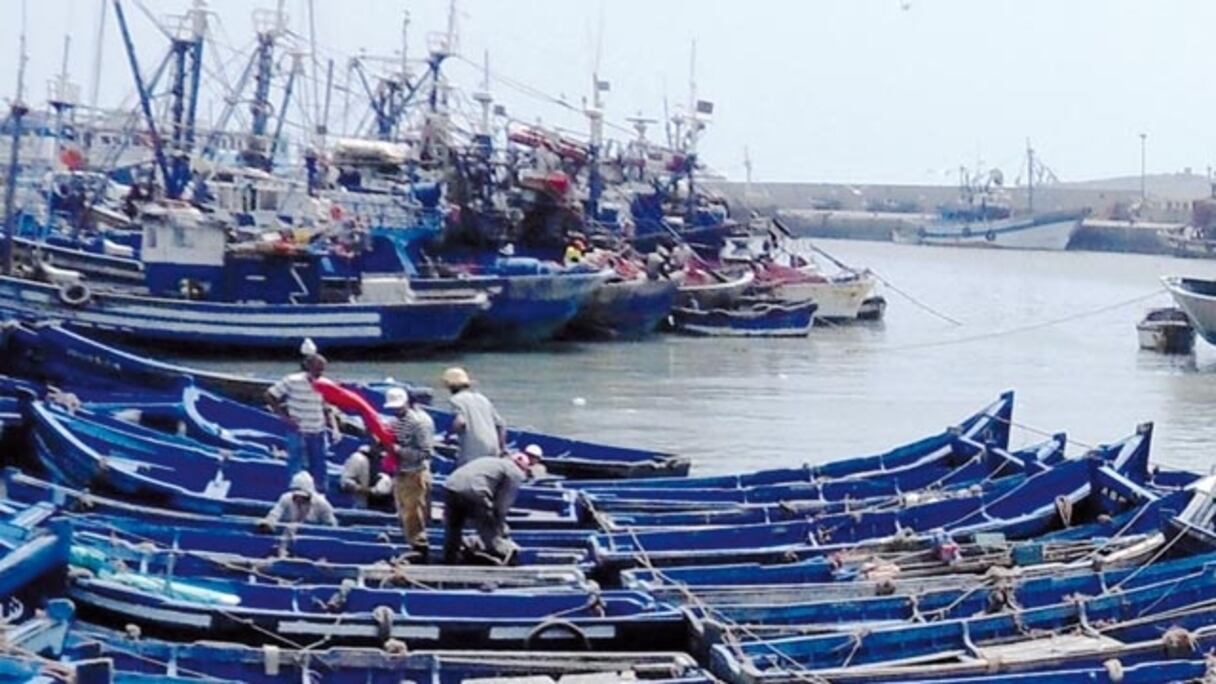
(847, 90)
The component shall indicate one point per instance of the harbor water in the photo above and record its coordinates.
(1058, 328)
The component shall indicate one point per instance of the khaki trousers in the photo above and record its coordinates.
(412, 493)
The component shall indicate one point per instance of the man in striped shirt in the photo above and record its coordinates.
(295, 398)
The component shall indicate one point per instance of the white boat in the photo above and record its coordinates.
(1049, 231)
(839, 296)
(1197, 298)
(1166, 331)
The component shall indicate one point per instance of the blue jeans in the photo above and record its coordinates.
(306, 451)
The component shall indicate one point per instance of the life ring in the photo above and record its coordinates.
(75, 294)
(990, 236)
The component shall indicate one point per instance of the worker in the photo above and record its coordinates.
(483, 491)
(300, 504)
(295, 398)
(478, 428)
(363, 476)
(574, 252)
(414, 434)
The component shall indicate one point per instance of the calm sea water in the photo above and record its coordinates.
(748, 404)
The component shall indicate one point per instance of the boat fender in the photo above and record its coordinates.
(884, 587)
(1114, 670)
(133, 631)
(383, 615)
(1064, 508)
(990, 236)
(75, 294)
(271, 659)
(1178, 642)
(396, 647)
(556, 628)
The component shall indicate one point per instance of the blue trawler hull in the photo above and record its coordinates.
(523, 309)
(201, 326)
(624, 309)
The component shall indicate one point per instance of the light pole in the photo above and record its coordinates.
(1143, 192)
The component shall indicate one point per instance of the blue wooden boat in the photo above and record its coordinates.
(32, 548)
(363, 616)
(174, 472)
(717, 623)
(968, 464)
(347, 665)
(747, 320)
(49, 353)
(989, 426)
(747, 661)
(1110, 478)
(624, 309)
(239, 535)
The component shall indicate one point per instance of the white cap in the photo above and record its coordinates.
(308, 347)
(302, 482)
(396, 398)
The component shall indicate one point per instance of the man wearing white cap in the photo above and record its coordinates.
(414, 434)
(480, 429)
(482, 492)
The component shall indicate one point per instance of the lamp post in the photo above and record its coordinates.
(1143, 191)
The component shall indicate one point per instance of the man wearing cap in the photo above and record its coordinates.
(480, 430)
(482, 491)
(414, 434)
(300, 504)
(295, 398)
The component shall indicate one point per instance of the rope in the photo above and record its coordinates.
(1025, 328)
(916, 302)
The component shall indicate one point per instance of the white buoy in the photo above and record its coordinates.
(579, 401)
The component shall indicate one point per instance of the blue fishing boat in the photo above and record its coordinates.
(747, 320)
(1046, 231)
(49, 353)
(347, 665)
(32, 547)
(747, 661)
(235, 535)
(988, 426)
(361, 616)
(624, 309)
(1107, 481)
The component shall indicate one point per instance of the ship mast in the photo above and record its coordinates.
(17, 112)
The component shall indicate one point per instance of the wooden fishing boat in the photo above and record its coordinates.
(772, 319)
(1167, 331)
(164, 470)
(747, 661)
(239, 535)
(31, 547)
(362, 616)
(709, 290)
(49, 353)
(1106, 481)
(989, 426)
(347, 665)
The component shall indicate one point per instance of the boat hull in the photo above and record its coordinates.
(523, 309)
(765, 320)
(624, 309)
(837, 299)
(1043, 232)
(201, 326)
(1198, 299)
